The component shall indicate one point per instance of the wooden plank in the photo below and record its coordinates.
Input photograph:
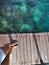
(39, 46)
(28, 50)
(32, 50)
(25, 50)
(42, 49)
(22, 49)
(47, 48)
(35, 52)
(18, 51)
(4, 39)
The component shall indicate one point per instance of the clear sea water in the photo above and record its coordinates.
(24, 16)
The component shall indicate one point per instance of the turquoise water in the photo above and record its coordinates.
(24, 16)
(45, 64)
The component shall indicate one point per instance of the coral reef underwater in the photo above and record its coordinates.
(24, 16)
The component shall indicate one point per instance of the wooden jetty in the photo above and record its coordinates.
(26, 53)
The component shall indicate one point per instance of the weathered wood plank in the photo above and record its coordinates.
(4, 39)
(25, 50)
(32, 50)
(35, 52)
